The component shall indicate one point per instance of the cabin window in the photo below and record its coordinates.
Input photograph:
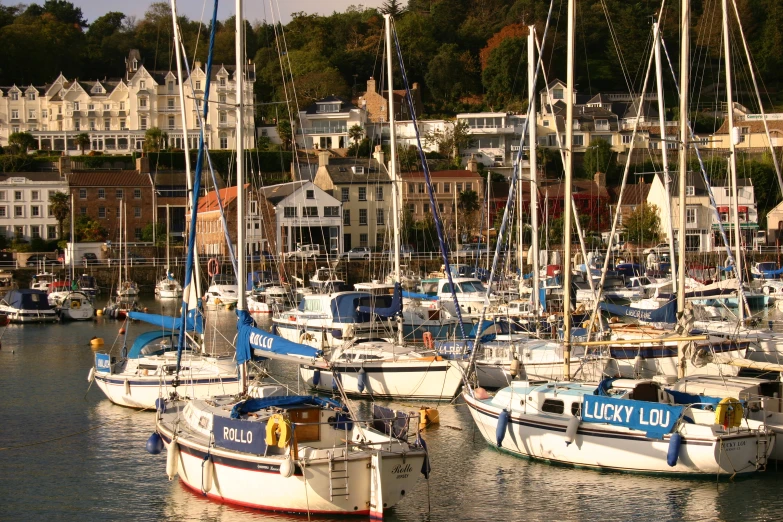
(553, 406)
(576, 409)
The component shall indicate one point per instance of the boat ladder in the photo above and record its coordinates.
(762, 451)
(338, 476)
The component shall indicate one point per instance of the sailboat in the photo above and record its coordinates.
(168, 287)
(297, 454)
(374, 367)
(621, 424)
(127, 288)
(69, 301)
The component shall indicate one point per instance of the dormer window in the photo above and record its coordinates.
(198, 85)
(31, 96)
(558, 94)
(171, 86)
(76, 106)
(91, 107)
(135, 64)
(222, 81)
(329, 107)
(142, 85)
(690, 190)
(14, 96)
(106, 106)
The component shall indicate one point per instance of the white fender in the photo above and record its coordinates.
(91, 375)
(287, 466)
(127, 387)
(207, 474)
(573, 425)
(172, 460)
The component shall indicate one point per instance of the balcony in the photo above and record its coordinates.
(491, 129)
(311, 131)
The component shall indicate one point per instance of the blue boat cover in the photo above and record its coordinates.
(251, 338)
(144, 339)
(655, 419)
(194, 322)
(251, 405)
(665, 314)
(700, 401)
(416, 295)
(345, 307)
(394, 308)
(629, 269)
(28, 299)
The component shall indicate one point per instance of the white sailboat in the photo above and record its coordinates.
(168, 287)
(298, 454)
(127, 288)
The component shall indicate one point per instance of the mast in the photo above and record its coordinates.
(240, 137)
(733, 161)
(393, 151)
(185, 141)
(568, 146)
(488, 200)
(125, 225)
(73, 244)
(684, 138)
(456, 225)
(664, 150)
(533, 162)
(168, 250)
(120, 258)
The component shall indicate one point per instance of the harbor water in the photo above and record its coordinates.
(67, 453)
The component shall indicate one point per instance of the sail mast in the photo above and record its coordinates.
(664, 150)
(684, 139)
(393, 151)
(733, 159)
(533, 162)
(567, 212)
(239, 76)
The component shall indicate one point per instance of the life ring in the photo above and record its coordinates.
(429, 343)
(728, 413)
(278, 431)
(213, 267)
(75, 304)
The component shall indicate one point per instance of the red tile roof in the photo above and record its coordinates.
(443, 174)
(112, 178)
(209, 203)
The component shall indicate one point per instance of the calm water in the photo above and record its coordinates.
(99, 470)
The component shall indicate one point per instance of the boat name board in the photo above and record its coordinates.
(654, 419)
(102, 362)
(239, 435)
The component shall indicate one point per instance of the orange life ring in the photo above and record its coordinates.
(213, 267)
(429, 343)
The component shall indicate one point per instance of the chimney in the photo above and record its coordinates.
(472, 164)
(600, 179)
(197, 65)
(323, 159)
(378, 155)
(143, 165)
(64, 165)
(371, 84)
(415, 86)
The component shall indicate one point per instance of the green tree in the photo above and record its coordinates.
(286, 133)
(156, 231)
(59, 203)
(451, 141)
(23, 140)
(643, 224)
(599, 157)
(446, 76)
(505, 73)
(355, 133)
(155, 139)
(468, 201)
(82, 140)
(392, 7)
(88, 229)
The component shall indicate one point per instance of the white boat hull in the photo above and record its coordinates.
(615, 448)
(433, 379)
(142, 392)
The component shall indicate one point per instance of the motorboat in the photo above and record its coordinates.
(168, 287)
(222, 291)
(28, 306)
(42, 281)
(324, 281)
(73, 305)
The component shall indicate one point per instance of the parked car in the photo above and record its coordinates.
(39, 259)
(136, 259)
(88, 258)
(304, 252)
(405, 250)
(357, 253)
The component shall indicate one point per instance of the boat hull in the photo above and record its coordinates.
(142, 391)
(602, 447)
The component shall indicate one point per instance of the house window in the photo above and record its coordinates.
(222, 81)
(14, 96)
(34, 195)
(310, 194)
(379, 193)
(83, 211)
(122, 124)
(35, 231)
(690, 216)
(579, 140)
(170, 104)
(143, 123)
(171, 122)
(49, 212)
(2, 195)
(222, 98)
(137, 233)
(35, 211)
(411, 188)
(15, 128)
(3, 212)
(101, 193)
(440, 207)
(31, 96)
(137, 212)
(362, 217)
(14, 114)
(44, 113)
(18, 211)
(446, 186)
(198, 85)
(345, 194)
(118, 213)
(31, 114)
(170, 85)
(310, 212)
(142, 84)
(379, 217)
(468, 186)
(557, 94)
(435, 188)
(347, 218)
(223, 141)
(421, 188)
(690, 190)
(222, 117)
(331, 211)
(106, 106)
(102, 212)
(119, 194)
(363, 240)
(106, 124)
(362, 193)
(51, 232)
(77, 125)
(412, 209)
(379, 237)
(122, 105)
(289, 212)
(142, 102)
(92, 124)
(626, 139)
(91, 106)
(136, 193)
(82, 193)
(17, 195)
(459, 187)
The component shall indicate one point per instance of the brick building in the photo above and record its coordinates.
(376, 103)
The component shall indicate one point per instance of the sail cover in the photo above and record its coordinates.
(251, 339)
(394, 308)
(194, 321)
(665, 314)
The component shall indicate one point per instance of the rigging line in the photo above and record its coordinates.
(703, 170)
(615, 42)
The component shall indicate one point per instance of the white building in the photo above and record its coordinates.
(326, 122)
(493, 135)
(304, 214)
(116, 113)
(24, 204)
